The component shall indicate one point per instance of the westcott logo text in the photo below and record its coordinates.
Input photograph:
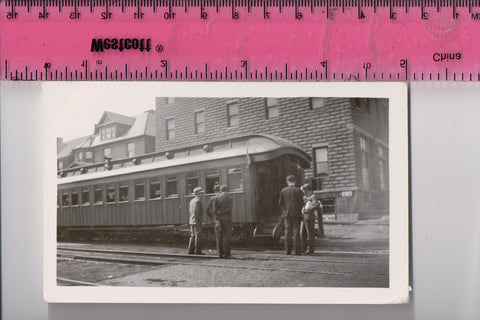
(100, 45)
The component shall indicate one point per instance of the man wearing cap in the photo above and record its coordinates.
(196, 213)
(311, 209)
(291, 203)
(222, 208)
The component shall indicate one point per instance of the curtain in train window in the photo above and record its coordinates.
(85, 197)
(65, 199)
(155, 189)
(111, 192)
(235, 179)
(123, 193)
(98, 196)
(172, 186)
(75, 198)
(139, 190)
(212, 179)
(191, 182)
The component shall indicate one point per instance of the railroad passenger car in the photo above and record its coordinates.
(147, 193)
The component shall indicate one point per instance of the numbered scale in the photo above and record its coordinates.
(234, 40)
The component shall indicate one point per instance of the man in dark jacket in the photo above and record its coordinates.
(291, 203)
(222, 208)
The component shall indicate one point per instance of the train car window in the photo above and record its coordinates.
(65, 199)
(123, 193)
(155, 191)
(139, 191)
(235, 179)
(110, 194)
(85, 197)
(75, 198)
(172, 186)
(212, 179)
(191, 182)
(98, 196)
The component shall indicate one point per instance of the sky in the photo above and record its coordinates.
(78, 106)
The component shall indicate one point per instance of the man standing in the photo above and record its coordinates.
(291, 203)
(216, 190)
(196, 213)
(312, 209)
(222, 208)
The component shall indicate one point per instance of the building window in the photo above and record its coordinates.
(321, 160)
(106, 153)
(155, 189)
(382, 167)
(88, 155)
(212, 179)
(170, 100)
(85, 197)
(316, 103)
(131, 149)
(172, 186)
(271, 108)
(107, 133)
(232, 114)
(60, 165)
(123, 193)
(111, 192)
(235, 179)
(139, 190)
(80, 156)
(328, 205)
(98, 196)
(199, 121)
(365, 149)
(170, 125)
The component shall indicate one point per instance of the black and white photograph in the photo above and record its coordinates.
(226, 193)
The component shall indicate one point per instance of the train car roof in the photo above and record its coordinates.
(255, 148)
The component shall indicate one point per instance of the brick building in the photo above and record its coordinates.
(115, 136)
(346, 137)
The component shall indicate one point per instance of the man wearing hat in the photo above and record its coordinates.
(311, 210)
(291, 203)
(222, 208)
(196, 213)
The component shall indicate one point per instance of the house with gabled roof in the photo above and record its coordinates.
(115, 136)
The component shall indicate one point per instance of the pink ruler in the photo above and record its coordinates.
(239, 40)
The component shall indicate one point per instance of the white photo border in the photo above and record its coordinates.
(398, 291)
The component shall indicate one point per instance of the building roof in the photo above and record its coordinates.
(112, 117)
(68, 146)
(140, 124)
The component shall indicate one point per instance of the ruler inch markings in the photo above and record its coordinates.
(257, 67)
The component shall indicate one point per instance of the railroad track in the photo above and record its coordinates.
(205, 261)
(312, 258)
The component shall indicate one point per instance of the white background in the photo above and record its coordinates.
(445, 166)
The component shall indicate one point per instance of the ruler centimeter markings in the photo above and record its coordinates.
(238, 40)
